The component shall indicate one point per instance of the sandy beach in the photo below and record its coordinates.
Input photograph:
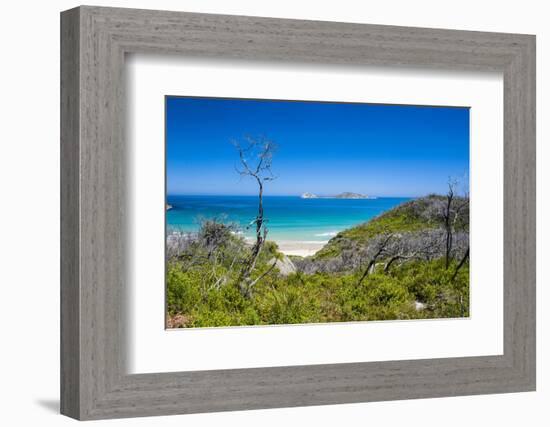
(287, 247)
(295, 247)
(298, 248)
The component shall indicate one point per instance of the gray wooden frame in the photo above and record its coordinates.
(94, 382)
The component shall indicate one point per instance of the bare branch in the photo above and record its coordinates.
(379, 250)
(460, 264)
(269, 270)
(256, 159)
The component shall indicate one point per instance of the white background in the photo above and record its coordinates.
(29, 224)
(153, 349)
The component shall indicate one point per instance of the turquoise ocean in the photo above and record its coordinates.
(290, 218)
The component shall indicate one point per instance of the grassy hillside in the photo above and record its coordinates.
(412, 216)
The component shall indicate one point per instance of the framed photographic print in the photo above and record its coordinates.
(261, 213)
(248, 245)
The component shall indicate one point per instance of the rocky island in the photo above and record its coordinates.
(309, 196)
(345, 195)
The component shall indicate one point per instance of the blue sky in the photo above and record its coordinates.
(323, 148)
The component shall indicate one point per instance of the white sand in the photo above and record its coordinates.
(295, 247)
(289, 247)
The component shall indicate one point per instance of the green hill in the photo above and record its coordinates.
(412, 216)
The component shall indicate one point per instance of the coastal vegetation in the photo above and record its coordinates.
(411, 262)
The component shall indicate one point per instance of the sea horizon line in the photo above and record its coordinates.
(289, 195)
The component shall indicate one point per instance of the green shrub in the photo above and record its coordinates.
(203, 289)
(182, 290)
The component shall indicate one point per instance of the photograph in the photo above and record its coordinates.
(281, 212)
(265, 213)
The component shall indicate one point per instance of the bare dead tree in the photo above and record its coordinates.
(461, 263)
(451, 212)
(377, 250)
(256, 157)
(447, 223)
(428, 243)
(401, 256)
(403, 247)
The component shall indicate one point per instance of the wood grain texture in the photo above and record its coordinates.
(70, 259)
(94, 232)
